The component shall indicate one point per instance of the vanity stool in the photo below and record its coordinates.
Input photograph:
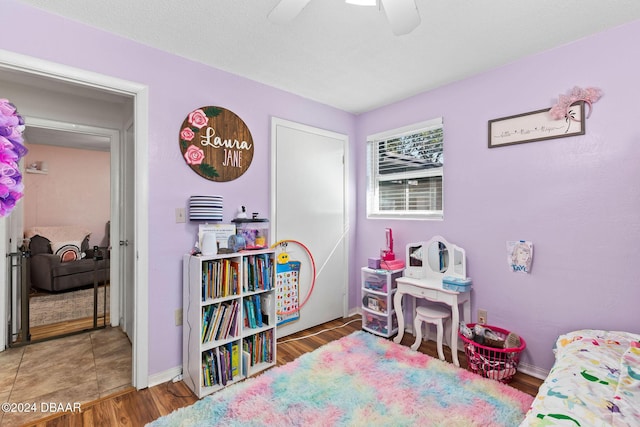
(435, 315)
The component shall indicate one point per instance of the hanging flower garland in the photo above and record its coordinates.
(11, 151)
(561, 109)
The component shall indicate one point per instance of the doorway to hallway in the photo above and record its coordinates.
(74, 80)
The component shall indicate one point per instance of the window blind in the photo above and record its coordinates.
(405, 170)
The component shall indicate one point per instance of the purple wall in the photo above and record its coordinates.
(176, 87)
(576, 198)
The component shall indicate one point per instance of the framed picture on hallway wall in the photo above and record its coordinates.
(536, 126)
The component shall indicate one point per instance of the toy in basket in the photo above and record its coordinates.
(491, 351)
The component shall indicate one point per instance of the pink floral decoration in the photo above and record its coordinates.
(589, 95)
(194, 155)
(187, 134)
(11, 150)
(198, 118)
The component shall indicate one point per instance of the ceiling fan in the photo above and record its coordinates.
(403, 15)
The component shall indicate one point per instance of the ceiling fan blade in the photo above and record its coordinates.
(286, 10)
(403, 15)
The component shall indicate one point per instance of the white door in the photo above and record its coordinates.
(308, 205)
(126, 234)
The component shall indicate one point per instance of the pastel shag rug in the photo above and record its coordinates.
(359, 380)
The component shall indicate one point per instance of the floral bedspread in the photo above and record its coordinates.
(595, 381)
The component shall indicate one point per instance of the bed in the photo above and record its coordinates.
(595, 381)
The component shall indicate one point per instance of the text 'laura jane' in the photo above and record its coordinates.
(210, 139)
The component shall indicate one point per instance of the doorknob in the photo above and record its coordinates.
(124, 243)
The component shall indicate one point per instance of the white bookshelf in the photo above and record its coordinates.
(218, 353)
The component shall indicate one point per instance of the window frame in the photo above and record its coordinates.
(373, 178)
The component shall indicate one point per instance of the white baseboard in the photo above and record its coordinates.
(534, 371)
(354, 311)
(164, 376)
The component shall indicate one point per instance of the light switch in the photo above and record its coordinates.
(180, 215)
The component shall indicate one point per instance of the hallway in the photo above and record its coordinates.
(62, 373)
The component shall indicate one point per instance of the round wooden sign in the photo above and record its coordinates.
(216, 143)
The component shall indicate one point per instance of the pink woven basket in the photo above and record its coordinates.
(499, 364)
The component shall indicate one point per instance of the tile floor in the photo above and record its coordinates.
(53, 374)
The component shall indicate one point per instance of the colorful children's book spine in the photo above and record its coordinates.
(245, 272)
(252, 313)
(205, 322)
(219, 366)
(258, 313)
(235, 360)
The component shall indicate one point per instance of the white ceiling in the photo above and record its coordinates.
(346, 56)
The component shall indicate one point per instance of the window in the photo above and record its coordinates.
(404, 172)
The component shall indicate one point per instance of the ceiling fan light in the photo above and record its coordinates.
(362, 2)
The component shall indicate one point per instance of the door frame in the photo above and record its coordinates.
(125, 212)
(115, 137)
(140, 94)
(275, 122)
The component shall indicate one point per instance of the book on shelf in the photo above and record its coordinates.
(235, 359)
(219, 361)
(259, 347)
(209, 313)
(258, 310)
(229, 329)
(206, 315)
(246, 361)
(211, 372)
(222, 331)
(226, 362)
(220, 308)
(235, 271)
(206, 368)
(245, 271)
(250, 313)
(248, 276)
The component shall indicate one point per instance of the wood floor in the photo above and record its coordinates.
(136, 408)
(67, 327)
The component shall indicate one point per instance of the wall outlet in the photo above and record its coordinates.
(482, 316)
(178, 316)
(180, 215)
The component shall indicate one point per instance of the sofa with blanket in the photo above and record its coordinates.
(61, 259)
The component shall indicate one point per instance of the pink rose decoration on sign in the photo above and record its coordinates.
(187, 134)
(198, 118)
(194, 155)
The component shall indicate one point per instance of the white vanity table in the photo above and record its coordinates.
(427, 263)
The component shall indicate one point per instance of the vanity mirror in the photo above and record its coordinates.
(415, 266)
(434, 258)
(437, 256)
